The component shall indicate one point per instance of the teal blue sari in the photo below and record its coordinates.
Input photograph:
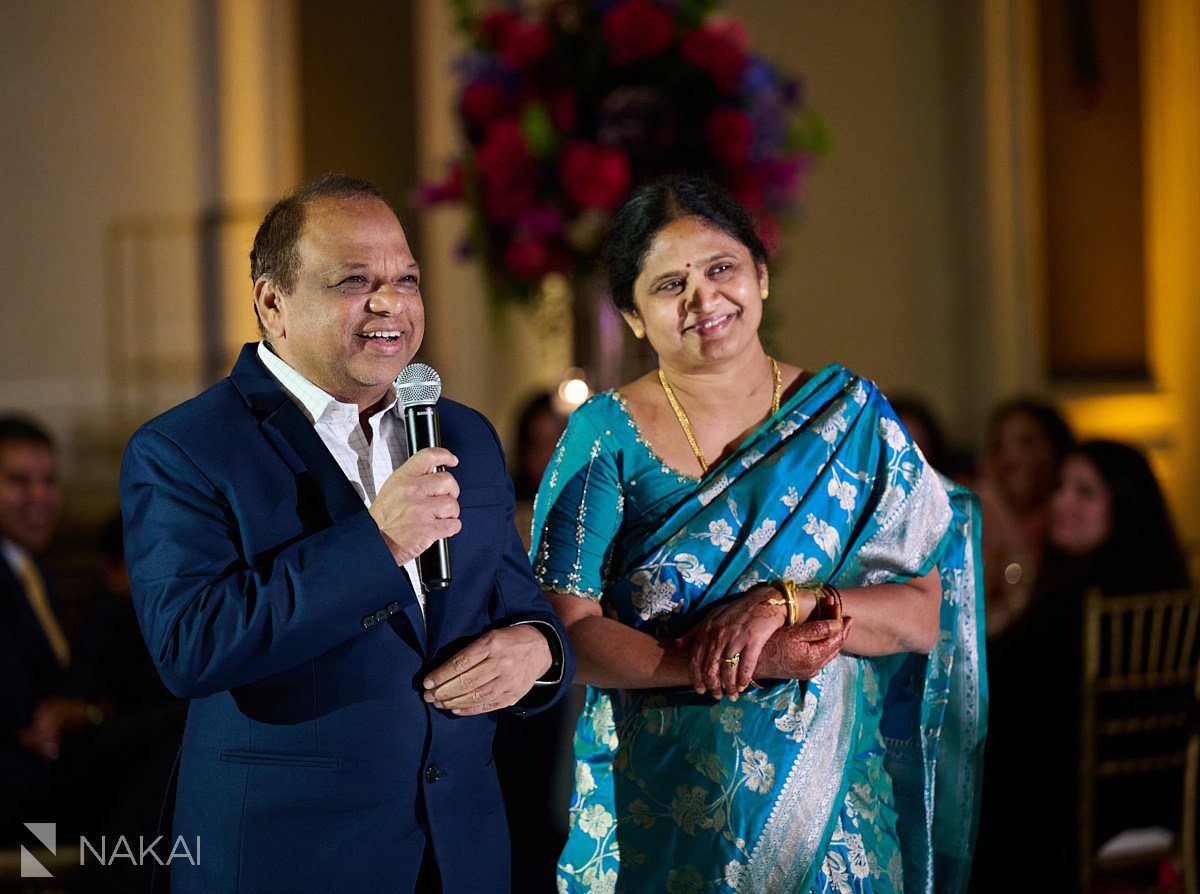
(863, 779)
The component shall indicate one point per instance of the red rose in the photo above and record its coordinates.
(504, 203)
(495, 25)
(482, 102)
(637, 30)
(769, 232)
(564, 110)
(749, 188)
(503, 157)
(716, 51)
(522, 44)
(448, 190)
(732, 29)
(785, 176)
(595, 176)
(540, 222)
(730, 132)
(527, 258)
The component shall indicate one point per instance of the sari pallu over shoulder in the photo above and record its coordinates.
(746, 796)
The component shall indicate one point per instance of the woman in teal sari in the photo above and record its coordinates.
(722, 748)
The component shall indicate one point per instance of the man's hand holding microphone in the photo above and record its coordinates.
(417, 506)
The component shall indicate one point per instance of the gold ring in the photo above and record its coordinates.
(733, 659)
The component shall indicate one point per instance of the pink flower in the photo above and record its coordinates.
(595, 176)
(637, 30)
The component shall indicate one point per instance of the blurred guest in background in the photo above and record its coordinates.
(536, 747)
(40, 711)
(539, 427)
(1108, 527)
(924, 428)
(119, 782)
(112, 647)
(1026, 444)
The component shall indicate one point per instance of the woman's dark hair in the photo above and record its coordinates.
(1142, 552)
(1051, 422)
(658, 203)
(524, 483)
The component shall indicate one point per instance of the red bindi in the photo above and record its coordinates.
(689, 266)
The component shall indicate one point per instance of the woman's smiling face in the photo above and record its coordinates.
(1081, 509)
(699, 294)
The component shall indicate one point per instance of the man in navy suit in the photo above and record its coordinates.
(41, 713)
(340, 729)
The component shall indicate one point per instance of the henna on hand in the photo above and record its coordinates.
(798, 653)
(725, 645)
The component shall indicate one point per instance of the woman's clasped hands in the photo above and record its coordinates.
(747, 639)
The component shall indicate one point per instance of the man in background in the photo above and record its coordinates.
(40, 713)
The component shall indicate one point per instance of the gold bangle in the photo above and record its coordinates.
(793, 603)
(785, 588)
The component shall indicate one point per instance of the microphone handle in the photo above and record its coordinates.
(421, 422)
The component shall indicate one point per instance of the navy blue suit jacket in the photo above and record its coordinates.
(28, 674)
(267, 596)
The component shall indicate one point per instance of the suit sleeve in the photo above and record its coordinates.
(519, 599)
(211, 620)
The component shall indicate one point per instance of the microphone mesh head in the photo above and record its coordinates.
(418, 385)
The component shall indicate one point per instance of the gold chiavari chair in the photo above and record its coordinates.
(1139, 721)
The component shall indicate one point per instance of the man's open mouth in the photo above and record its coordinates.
(385, 337)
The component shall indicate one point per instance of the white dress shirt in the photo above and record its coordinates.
(366, 462)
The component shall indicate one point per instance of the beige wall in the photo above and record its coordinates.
(101, 117)
(124, 123)
(870, 278)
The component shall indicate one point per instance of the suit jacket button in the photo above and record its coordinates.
(432, 773)
(368, 622)
(381, 615)
(394, 608)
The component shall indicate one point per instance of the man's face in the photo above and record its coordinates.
(355, 317)
(29, 494)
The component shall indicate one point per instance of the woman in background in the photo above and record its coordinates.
(693, 531)
(1109, 528)
(1027, 441)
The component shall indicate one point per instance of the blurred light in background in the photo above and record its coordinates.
(573, 390)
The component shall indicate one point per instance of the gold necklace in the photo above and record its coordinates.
(687, 425)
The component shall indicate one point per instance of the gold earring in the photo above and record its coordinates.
(639, 333)
(765, 293)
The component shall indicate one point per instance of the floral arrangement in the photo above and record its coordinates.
(568, 105)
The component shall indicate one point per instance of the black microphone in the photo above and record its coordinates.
(418, 388)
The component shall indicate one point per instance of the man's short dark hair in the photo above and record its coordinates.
(23, 430)
(274, 253)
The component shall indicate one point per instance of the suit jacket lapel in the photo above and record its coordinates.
(288, 430)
